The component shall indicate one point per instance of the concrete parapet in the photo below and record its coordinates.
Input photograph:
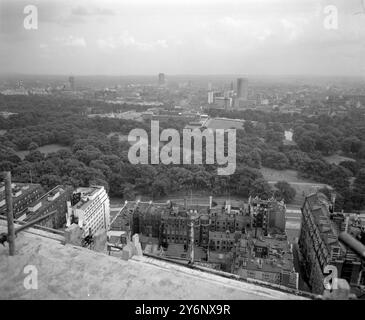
(73, 235)
(342, 291)
(137, 245)
(128, 251)
(100, 238)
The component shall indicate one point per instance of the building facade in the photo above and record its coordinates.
(54, 200)
(267, 214)
(90, 208)
(320, 247)
(24, 194)
(223, 237)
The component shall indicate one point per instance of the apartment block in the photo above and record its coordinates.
(89, 208)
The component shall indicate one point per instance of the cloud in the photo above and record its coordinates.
(126, 40)
(71, 41)
(183, 36)
(88, 11)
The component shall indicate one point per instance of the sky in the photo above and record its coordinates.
(144, 37)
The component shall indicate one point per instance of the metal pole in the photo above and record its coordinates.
(9, 206)
(192, 242)
(35, 221)
(353, 243)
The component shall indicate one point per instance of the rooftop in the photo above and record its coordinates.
(87, 194)
(319, 207)
(69, 272)
(45, 203)
(26, 189)
(18, 186)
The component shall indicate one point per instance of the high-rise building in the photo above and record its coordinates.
(161, 79)
(89, 208)
(71, 80)
(241, 101)
(242, 88)
(209, 86)
(210, 97)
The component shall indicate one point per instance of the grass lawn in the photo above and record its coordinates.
(302, 187)
(281, 175)
(49, 148)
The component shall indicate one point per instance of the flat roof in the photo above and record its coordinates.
(70, 272)
(32, 187)
(44, 202)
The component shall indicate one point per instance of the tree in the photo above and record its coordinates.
(249, 127)
(87, 154)
(274, 137)
(353, 166)
(327, 144)
(34, 156)
(128, 191)
(260, 188)
(296, 158)
(6, 166)
(50, 181)
(284, 191)
(351, 145)
(33, 146)
(275, 160)
(306, 143)
(359, 183)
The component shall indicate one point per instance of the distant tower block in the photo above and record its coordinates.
(19, 84)
(71, 80)
(242, 88)
(161, 79)
(209, 86)
(210, 97)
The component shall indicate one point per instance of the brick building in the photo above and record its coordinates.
(24, 194)
(319, 244)
(55, 199)
(223, 237)
(267, 214)
(266, 258)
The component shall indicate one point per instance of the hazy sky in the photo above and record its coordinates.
(123, 37)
